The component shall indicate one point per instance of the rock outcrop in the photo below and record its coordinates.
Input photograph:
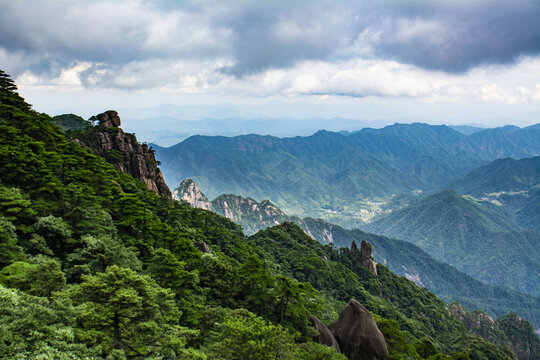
(204, 247)
(367, 260)
(355, 332)
(326, 337)
(189, 192)
(126, 154)
(365, 256)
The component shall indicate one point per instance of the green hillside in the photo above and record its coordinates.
(470, 237)
(504, 175)
(338, 272)
(93, 266)
(71, 122)
(401, 257)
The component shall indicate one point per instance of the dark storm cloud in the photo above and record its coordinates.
(253, 36)
(452, 36)
(457, 36)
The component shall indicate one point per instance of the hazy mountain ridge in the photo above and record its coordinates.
(469, 236)
(502, 175)
(329, 173)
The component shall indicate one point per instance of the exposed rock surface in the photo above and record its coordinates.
(189, 192)
(204, 247)
(357, 334)
(367, 260)
(365, 255)
(250, 214)
(326, 337)
(126, 154)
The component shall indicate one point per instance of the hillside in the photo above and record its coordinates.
(512, 185)
(470, 237)
(304, 258)
(401, 257)
(95, 265)
(503, 175)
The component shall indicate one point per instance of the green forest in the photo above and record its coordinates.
(95, 266)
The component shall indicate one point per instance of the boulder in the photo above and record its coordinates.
(325, 335)
(357, 333)
(204, 247)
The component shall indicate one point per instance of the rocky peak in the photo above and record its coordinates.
(366, 260)
(109, 119)
(126, 153)
(511, 331)
(189, 192)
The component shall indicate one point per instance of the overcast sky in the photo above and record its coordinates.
(436, 61)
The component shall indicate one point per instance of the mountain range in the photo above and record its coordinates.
(342, 178)
(97, 262)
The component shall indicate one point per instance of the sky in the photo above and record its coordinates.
(171, 65)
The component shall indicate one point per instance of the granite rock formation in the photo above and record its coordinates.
(355, 334)
(365, 256)
(189, 192)
(326, 337)
(127, 154)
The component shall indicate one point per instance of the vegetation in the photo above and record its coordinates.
(403, 258)
(68, 122)
(96, 266)
(458, 231)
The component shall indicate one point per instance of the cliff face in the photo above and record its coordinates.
(126, 153)
(248, 213)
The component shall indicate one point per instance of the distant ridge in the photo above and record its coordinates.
(471, 237)
(329, 172)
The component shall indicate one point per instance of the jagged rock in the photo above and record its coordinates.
(354, 248)
(109, 119)
(189, 192)
(127, 155)
(325, 335)
(365, 256)
(357, 333)
(204, 247)
(367, 261)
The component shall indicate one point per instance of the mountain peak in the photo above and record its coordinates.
(189, 192)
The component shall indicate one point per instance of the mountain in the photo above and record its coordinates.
(511, 331)
(95, 265)
(502, 175)
(401, 257)
(513, 185)
(469, 236)
(304, 258)
(466, 129)
(503, 142)
(341, 178)
(71, 122)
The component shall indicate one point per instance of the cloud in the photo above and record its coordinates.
(251, 37)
